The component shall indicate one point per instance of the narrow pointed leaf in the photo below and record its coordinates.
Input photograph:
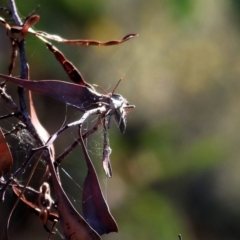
(69, 68)
(82, 42)
(72, 94)
(95, 207)
(33, 19)
(73, 224)
(6, 160)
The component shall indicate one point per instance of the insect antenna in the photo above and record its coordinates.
(97, 86)
(118, 83)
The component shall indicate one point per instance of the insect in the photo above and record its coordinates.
(79, 94)
(81, 97)
(119, 105)
(86, 97)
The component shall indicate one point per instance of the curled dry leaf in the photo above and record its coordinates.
(6, 160)
(106, 161)
(77, 42)
(83, 42)
(45, 203)
(31, 20)
(51, 217)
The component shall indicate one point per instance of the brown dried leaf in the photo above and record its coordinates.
(78, 42)
(6, 160)
(81, 42)
(32, 20)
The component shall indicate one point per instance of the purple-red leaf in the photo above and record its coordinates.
(72, 94)
(95, 207)
(73, 225)
(6, 160)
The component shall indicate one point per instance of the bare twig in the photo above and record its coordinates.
(70, 148)
(22, 192)
(18, 113)
(23, 59)
(15, 175)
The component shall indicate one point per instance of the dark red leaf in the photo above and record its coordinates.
(69, 68)
(6, 160)
(32, 20)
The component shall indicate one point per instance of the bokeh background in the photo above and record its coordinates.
(176, 169)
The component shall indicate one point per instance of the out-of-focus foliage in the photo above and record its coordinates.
(176, 170)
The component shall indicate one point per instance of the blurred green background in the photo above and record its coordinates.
(176, 169)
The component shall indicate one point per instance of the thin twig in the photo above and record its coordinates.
(18, 21)
(100, 110)
(23, 59)
(17, 112)
(15, 175)
(22, 192)
(13, 10)
(8, 115)
(70, 148)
